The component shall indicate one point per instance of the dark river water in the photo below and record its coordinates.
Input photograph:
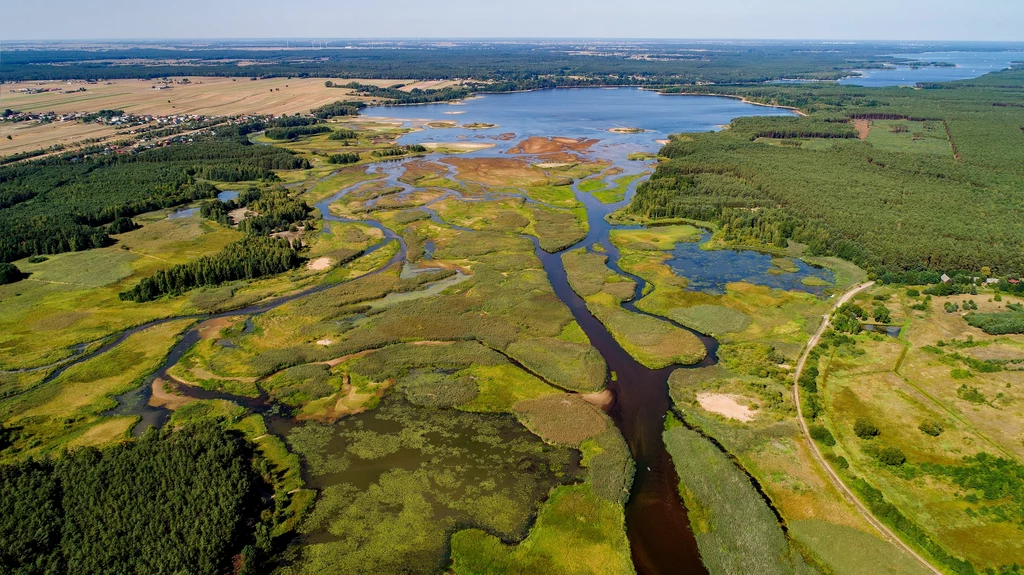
(656, 522)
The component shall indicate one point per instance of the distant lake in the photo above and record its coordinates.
(968, 65)
(574, 113)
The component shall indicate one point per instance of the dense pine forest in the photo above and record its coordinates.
(809, 180)
(171, 502)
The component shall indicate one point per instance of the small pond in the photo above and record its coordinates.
(710, 270)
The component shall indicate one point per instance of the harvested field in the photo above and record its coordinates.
(27, 136)
(202, 95)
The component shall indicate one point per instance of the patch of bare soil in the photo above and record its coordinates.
(320, 264)
(211, 327)
(727, 405)
(601, 399)
(238, 215)
(862, 127)
(163, 398)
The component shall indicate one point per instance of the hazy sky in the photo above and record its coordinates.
(761, 19)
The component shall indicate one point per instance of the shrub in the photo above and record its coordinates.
(9, 273)
(865, 429)
(822, 435)
(890, 455)
(881, 314)
(913, 293)
(808, 379)
(932, 428)
(970, 394)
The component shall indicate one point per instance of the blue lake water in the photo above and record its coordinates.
(710, 270)
(227, 195)
(968, 65)
(574, 113)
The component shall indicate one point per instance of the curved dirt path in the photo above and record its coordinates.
(836, 480)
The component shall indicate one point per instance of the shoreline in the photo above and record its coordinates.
(743, 99)
(476, 95)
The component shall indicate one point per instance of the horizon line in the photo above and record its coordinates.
(504, 39)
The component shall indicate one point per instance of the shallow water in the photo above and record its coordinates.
(710, 270)
(575, 113)
(186, 213)
(968, 65)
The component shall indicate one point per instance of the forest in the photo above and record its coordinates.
(507, 66)
(64, 203)
(112, 511)
(806, 180)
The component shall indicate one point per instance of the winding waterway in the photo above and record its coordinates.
(656, 522)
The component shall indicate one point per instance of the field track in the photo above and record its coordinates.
(836, 480)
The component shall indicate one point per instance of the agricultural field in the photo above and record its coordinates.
(25, 137)
(205, 96)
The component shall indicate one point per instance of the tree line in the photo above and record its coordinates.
(249, 258)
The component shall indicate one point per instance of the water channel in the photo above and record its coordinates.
(660, 536)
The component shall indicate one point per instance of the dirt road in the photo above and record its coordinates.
(836, 480)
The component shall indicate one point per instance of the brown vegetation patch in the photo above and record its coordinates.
(420, 169)
(562, 419)
(541, 145)
(497, 171)
(997, 352)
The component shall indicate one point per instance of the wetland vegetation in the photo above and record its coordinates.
(376, 340)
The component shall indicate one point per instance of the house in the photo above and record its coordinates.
(946, 279)
(992, 281)
(1014, 282)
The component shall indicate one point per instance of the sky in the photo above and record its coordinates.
(976, 20)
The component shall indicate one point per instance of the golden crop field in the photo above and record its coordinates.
(203, 95)
(32, 136)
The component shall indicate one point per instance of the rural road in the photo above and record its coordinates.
(836, 480)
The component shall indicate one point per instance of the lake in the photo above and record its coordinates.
(968, 65)
(575, 113)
